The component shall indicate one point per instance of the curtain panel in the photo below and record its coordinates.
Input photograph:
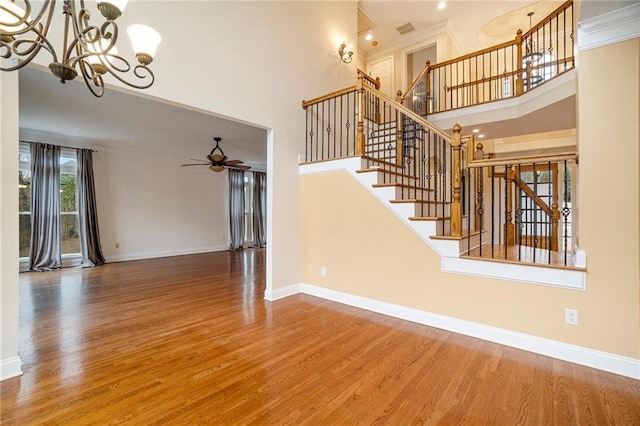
(45, 253)
(87, 211)
(259, 209)
(236, 209)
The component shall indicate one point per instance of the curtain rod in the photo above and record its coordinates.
(61, 146)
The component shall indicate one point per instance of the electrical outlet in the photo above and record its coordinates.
(117, 245)
(571, 316)
(323, 271)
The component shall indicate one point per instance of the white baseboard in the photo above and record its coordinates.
(163, 253)
(10, 367)
(279, 293)
(617, 364)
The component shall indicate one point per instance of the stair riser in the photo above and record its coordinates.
(403, 193)
(431, 209)
(391, 178)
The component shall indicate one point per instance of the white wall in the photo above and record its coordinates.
(10, 364)
(256, 61)
(152, 207)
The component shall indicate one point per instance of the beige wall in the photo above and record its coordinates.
(609, 192)
(369, 252)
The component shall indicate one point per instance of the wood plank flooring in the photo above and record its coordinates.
(190, 340)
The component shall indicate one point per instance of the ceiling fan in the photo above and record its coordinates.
(217, 161)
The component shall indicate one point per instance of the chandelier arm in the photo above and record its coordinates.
(92, 79)
(32, 49)
(140, 71)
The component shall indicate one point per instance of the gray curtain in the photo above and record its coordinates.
(236, 209)
(87, 211)
(45, 253)
(259, 209)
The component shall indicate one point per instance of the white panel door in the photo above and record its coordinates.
(383, 68)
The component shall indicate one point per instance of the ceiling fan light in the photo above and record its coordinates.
(216, 169)
(216, 158)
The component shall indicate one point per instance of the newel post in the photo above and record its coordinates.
(456, 204)
(399, 132)
(520, 79)
(509, 227)
(360, 140)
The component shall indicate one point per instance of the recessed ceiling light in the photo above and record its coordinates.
(368, 37)
(481, 136)
(475, 130)
(442, 5)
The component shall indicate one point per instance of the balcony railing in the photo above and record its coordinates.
(499, 72)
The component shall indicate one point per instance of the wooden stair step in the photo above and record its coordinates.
(429, 218)
(462, 237)
(413, 200)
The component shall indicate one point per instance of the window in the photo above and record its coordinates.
(69, 225)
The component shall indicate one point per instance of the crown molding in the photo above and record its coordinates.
(609, 28)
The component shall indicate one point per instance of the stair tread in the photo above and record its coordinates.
(414, 200)
(450, 237)
(429, 218)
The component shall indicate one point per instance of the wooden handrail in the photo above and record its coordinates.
(375, 82)
(521, 160)
(548, 18)
(323, 98)
(417, 118)
(474, 54)
(424, 72)
(510, 73)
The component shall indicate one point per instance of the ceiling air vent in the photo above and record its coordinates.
(406, 28)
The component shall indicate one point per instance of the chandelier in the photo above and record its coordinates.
(88, 50)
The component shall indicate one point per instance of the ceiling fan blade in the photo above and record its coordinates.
(234, 162)
(238, 167)
(199, 164)
(197, 159)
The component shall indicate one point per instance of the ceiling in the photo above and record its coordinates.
(475, 24)
(136, 124)
(67, 114)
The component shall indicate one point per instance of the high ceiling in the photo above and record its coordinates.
(136, 124)
(475, 24)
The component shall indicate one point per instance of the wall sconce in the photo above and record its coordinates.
(345, 54)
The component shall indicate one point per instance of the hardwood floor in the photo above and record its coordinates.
(190, 340)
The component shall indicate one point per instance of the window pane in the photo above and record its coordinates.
(70, 239)
(25, 233)
(24, 200)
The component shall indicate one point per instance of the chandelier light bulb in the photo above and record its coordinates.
(145, 41)
(10, 16)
